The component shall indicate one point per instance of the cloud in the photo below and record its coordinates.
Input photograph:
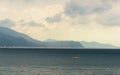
(31, 23)
(29, 10)
(109, 20)
(85, 7)
(102, 12)
(55, 18)
(22, 4)
(84, 11)
(112, 17)
(7, 23)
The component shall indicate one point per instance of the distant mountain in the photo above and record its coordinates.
(96, 45)
(64, 44)
(11, 38)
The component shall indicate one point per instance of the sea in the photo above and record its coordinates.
(59, 61)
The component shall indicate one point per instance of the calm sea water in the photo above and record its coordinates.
(36, 61)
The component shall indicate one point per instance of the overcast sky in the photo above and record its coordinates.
(79, 20)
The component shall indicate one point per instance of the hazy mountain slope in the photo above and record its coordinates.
(13, 33)
(96, 45)
(11, 38)
(64, 44)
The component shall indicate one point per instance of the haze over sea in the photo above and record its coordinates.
(30, 61)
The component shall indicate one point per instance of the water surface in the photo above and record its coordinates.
(30, 61)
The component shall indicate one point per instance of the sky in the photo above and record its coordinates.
(78, 20)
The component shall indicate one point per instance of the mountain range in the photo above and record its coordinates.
(96, 45)
(11, 38)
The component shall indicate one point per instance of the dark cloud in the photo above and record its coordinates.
(31, 23)
(84, 7)
(56, 18)
(109, 20)
(7, 23)
(105, 13)
(28, 0)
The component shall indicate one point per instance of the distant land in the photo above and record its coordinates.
(96, 45)
(11, 38)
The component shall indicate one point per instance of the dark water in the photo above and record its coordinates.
(36, 61)
(59, 57)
